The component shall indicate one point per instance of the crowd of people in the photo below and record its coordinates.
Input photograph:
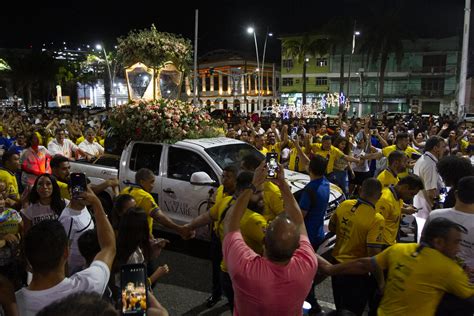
(58, 248)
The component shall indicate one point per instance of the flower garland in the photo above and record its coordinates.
(162, 120)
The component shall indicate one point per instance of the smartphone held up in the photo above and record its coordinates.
(272, 165)
(78, 184)
(133, 286)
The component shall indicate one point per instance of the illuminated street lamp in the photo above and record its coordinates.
(251, 30)
(100, 47)
(355, 33)
(268, 34)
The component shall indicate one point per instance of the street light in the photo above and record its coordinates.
(268, 34)
(100, 47)
(251, 30)
(355, 33)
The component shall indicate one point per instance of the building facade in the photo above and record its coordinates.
(424, 81)
(231, 80)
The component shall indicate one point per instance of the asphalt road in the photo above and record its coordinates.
(185, 289)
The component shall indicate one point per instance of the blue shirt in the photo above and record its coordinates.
(16, 149)
(316, 208)
(5, 143)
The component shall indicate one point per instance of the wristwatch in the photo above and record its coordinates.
(252, 187)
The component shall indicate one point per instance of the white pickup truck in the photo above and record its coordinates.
(174, 165)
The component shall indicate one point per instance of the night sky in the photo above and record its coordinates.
(222, 23)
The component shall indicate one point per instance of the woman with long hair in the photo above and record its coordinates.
(45, 202)
(134, 244)
(341, 166)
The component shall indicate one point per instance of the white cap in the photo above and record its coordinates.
(37, 121)
(63, 121)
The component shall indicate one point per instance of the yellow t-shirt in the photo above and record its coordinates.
(11, 183)
(387, 178)
(40, 139)
(391, 209)
(417, 281)
(276, 148)
(144, 200)
(264, 150)
(64, 190)
(272, 200)
(295, 163)
(331, 155)
(220, 195)
(408, 151)
(252, 227)
(357, 226)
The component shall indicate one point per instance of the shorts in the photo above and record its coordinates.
(359, 177)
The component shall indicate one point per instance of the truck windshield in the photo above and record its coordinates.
(232, 154)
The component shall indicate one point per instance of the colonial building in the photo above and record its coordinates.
(232, 80)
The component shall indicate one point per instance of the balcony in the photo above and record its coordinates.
(448, 70)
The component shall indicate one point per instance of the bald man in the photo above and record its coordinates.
(277, 282)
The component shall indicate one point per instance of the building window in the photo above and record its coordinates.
(321, 81)
(415, 102)
(225, 83)
(432, 87)
(287, 82)
(216, 82)
(321, 62)
(297, 81)
(288, 63)
(208, 83)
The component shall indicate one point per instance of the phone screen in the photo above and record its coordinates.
(272, 164)
(133, 289)
(78, 184)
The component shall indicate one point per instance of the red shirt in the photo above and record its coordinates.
(262, 287)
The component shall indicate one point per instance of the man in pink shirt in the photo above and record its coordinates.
(277, 282)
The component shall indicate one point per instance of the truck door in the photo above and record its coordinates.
(144, 155)
(182, 200)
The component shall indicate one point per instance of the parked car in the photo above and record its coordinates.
(174, 166)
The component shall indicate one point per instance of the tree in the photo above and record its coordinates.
(383, 37)
(154, 49)
(4, 65)
(302, 48)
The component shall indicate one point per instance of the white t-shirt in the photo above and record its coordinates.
(66, 149)
(425, 168)
(93, 148)
(38, 212)
(363, 166)
(467, 244)
(75, 223)
(92, 279)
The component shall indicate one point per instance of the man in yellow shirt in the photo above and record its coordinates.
(331, 153)
(418, 274)
(397, 163)
(359, 233)
(10, 165)
(390, 205)
(401, 143)
(140, 191)
(252, 223)
(273, 201)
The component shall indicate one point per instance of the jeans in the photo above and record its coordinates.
(226, 284)
(216, 258)
(352, 292)
(339, 177)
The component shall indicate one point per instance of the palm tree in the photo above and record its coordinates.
(4, 65)
(339, 31)
(302, 48)
(383, 37)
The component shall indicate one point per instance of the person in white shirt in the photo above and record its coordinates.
(463, 214)
(75, 219)
(90, 146)
(65, 147)
(46, 250)
(425, 168)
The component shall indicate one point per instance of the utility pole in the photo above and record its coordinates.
(195, 97)
(464, 55)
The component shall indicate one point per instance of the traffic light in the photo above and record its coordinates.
(211, 70)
